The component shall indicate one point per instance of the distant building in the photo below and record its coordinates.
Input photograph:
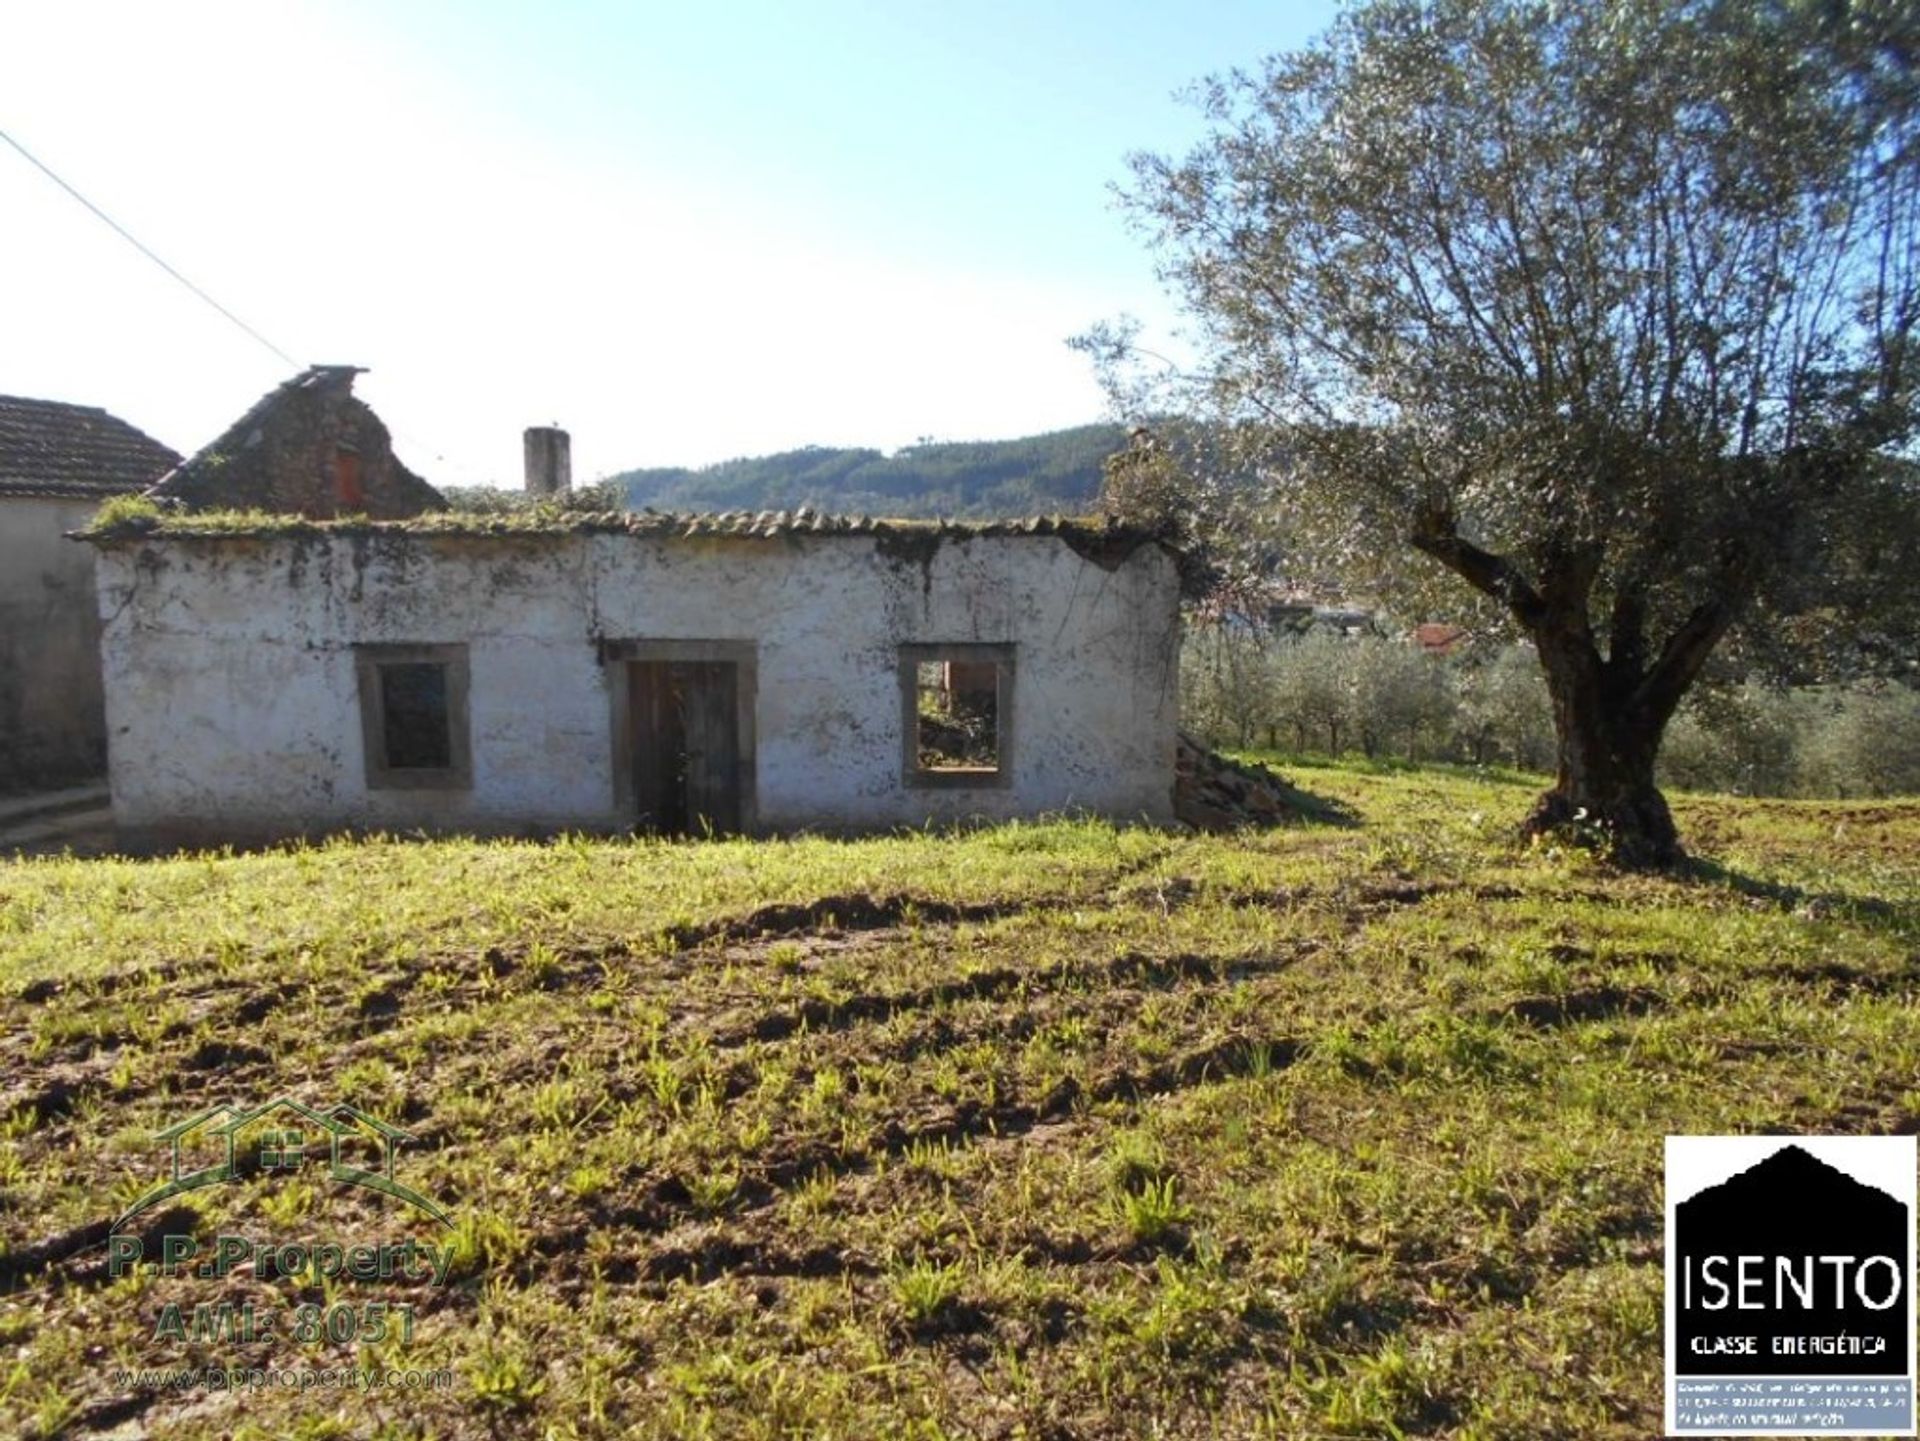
(1436, 637)
(58, 462)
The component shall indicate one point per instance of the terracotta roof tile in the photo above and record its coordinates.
(50, 448)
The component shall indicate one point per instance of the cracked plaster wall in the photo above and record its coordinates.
(232, 706)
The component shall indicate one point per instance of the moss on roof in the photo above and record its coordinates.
(136, 520)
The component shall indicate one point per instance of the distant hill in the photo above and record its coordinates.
(1038, 475)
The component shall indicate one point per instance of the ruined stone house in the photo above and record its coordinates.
(58, 462)
(554, 669)
(612, 672)
(309, 447)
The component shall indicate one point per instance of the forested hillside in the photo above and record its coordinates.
(1035, 475)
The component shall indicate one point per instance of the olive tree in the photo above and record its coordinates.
(1606, 309)
(1313, 691)
(1503, 708)
(1399, 695)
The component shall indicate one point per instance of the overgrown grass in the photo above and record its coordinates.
(1055, 1130)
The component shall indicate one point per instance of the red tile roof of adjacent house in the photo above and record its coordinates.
(61, 451)
(1438, 638)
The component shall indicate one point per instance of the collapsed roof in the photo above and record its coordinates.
(310, 448)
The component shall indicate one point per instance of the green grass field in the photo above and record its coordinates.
(1058, 1130)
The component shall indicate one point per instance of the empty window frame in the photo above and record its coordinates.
(956, 709)
(413, 716)
(349, 492)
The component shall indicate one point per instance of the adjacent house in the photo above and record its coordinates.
(1438, 637)
(58, 462)
(558, 670)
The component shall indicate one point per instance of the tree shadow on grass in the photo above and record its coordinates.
(1875, 911)
(1317, 810)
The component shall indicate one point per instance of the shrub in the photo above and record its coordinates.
(1863, 743)
(1330, 694)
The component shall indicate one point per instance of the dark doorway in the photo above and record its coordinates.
(685, 716)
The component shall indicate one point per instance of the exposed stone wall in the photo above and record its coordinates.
(233, 704)
(52, 726)
(309, 448)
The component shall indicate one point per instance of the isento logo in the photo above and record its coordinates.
(1790, 1285)
(225, 1143)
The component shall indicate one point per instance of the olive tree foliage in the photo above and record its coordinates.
(1178, 480)
(1745, 740)
(1605, 309)
(1846, 741)
(1313, 692)
(1328, 694)
(1402, 699)
(1228, 685)
(1864, 745)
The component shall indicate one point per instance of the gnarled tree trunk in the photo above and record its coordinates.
(1608, 739)
(1609, 712)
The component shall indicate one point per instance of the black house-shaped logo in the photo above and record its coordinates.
(1775, 1263)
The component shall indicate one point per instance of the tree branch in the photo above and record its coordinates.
(1681, 657)
(1687, 649)
(1436, 533)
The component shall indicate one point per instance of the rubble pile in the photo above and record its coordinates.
(1212, 793)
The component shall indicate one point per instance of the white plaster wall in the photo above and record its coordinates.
(232, 705)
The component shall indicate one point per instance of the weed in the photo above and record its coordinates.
(712, 1190)
(1135, 1160)
(505, 1378)
(924, 1288)
(1152, 1211)
(483, 1241)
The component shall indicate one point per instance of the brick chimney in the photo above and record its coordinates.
(549, 460)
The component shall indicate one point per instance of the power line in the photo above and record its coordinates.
(124, 234)
(134, 241)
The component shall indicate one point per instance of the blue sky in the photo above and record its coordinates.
(684, 232)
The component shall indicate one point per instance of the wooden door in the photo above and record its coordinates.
(709, 692)
(686, 745)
